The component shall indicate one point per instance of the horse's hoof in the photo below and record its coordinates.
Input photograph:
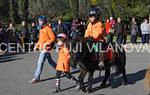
(83, 89)
(102, 86)
(89, 90)
(125, 83)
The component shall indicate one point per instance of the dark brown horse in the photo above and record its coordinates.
(84, 58)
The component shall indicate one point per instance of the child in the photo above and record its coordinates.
(63, 64)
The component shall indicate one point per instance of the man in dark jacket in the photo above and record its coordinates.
(119, 32)
(12, 37)
(24, 35)
(134, 31)
(11, 34)
(60, 27)
(33, 33)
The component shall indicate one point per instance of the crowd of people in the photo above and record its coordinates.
(22, 35)
(29, 32)
(122, 29)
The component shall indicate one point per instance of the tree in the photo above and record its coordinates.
(13, 11)
(49, 8)
(17, 10)
(138, 8)
(23, 9)
(4, 8)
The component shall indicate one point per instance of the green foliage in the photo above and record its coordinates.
(4, 8)
(67, 16)
(23, 9)
(49, 8)
(17, 10)
(139, 8)
(12, 11)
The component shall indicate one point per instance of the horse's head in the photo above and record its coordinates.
(80, 49)
(74, 46)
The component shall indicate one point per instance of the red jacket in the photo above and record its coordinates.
(107, 26)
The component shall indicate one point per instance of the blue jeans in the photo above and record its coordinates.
(145, 38)
(42, 58)
(133, 39)
(119, 39)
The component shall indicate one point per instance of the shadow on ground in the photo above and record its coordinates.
(4, 59)
(113, 83)
(72, 72)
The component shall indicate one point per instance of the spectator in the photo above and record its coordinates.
(33, 33)
(12, 37)
(60, 27)
(145, 29)
(119, 32)
(24, 35)
(77, 28)
(75, 24)
(112, 24)
(82, 28)
(4, 37)
(108, 33)
(124, 30)
(11, 34)
(134, 31)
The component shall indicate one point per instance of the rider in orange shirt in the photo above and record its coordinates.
(95, 27)
(95, 31)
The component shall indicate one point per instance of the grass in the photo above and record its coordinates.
(128, 39)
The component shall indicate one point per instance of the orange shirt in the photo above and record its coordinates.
(96, 31)
(63, 60)
(46, 37)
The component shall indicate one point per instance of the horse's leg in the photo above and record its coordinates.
(124, 76)
(90, 78)
(123, 64)
(81, 78)
(107, 74)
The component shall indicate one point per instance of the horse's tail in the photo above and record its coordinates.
(120, 61)
(147, 79)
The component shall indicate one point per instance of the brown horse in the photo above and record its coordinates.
(84, 59)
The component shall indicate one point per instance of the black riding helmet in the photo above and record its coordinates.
(94, 12)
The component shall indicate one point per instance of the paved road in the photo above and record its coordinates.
(17, 70)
